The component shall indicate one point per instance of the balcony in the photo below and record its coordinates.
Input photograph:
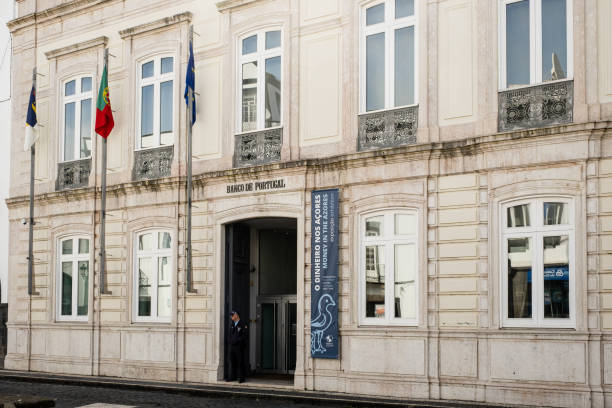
(536, 106)
(73, 174)
(389, 128)
(259, 147)
(152, 163)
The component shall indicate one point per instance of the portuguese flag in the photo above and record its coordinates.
(104, 115)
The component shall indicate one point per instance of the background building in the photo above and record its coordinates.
(469, 141)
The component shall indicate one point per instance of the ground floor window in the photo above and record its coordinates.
(389, 267)
(153, 276)
(73, 278)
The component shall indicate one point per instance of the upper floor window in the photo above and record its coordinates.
(73, 278)
(77, 110)
(156, 100)
(538, 263)
(153, 276)
(389, 268)
(388, 55)
(260, 81)
(535, 41)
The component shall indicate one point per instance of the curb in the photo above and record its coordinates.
(225, 391)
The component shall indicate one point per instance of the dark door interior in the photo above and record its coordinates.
(237, 279)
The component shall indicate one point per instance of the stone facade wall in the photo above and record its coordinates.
(457, 176)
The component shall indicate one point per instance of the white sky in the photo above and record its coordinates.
(6, 14)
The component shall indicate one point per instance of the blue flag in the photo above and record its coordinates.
(30, 136)
(190, 83)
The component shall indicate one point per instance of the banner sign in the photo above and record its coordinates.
(324, 274)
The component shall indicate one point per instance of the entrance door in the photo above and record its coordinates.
(277, 342)
(237, 279)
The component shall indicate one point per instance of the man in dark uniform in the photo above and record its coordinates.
(238, 340)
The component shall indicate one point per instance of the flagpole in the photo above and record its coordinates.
(31, 223)
(189, 176)
(103, 290)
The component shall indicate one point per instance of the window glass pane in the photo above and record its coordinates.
(147, 69)
(404, 290)
(164, 299)
(167, 65)
(374, 226)
(375, 71)
(273, 92)
(375, 281)
(519, 277)
(67, 247)
(69, 112)
(249, 45)
(146, 124)
(70, 88)
(554, 40)
(86, 84)
(145, 242)
(249, 96)
(404, 66)
(83, 246)
(273, 39)
(145, 280)
(555, 214)
(404, 8)
(375, 14)
(405, 224)
(83, 288)
(85, 128)
(518, 216)
(165, 107)
(517, 43)
(556, 277)
(66, 288)
(164, 240)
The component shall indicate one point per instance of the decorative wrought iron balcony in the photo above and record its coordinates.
(152, 163)
(73, 174)
(259, 147)
(390, 128)
(536, 106)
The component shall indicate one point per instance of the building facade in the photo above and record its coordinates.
(470, 144)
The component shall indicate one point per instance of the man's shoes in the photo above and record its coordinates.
(230, 379)
(240, 380)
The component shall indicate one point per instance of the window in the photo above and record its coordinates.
(388, 55)
(153, 276)
(260, 81)
(156, 100)
(77, 112)
(389, 268)
(535, 41)
(73, 278)
(538, 263)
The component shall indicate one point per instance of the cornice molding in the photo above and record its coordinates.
(53, 12)
(70, 49)
(156, 25)
(227, 5)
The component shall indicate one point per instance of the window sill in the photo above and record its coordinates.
(258, 147)
(73, 174)
(153, 163)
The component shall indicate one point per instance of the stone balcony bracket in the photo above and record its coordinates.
(259, 147)
(388, 128)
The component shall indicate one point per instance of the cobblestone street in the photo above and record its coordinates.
(72, 396)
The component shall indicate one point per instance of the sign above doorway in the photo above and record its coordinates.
(255, 186)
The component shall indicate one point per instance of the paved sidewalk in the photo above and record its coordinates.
(254, 390)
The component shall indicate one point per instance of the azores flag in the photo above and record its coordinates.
(31, 134)
(190, 83)
(104, 114)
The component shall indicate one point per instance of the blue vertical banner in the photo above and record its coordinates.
(324, 274)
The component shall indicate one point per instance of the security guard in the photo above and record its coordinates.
(238, 340)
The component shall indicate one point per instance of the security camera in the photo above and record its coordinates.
(24, 221)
